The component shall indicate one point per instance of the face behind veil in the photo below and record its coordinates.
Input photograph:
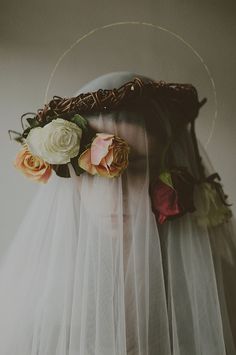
(120, 228)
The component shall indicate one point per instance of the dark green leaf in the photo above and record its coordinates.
(77, 168)
(19, 139)
(32, 122)
(16, 136)
(26, 132)
(61, 170)
(80, 121)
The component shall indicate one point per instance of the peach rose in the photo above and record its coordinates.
(107, 156)
(32, 166)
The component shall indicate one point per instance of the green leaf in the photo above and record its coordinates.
(80, 121)
(77, 168)
(16, 136)
(26, 132)
(87, 146)
(61, 170)
(49, 119)
(165, 177)
(19, 139)
(32, 122)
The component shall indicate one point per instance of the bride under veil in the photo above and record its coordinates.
(91, 272)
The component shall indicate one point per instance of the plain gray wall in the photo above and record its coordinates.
(35, 33)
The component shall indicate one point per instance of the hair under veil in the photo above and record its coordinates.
(90, 272)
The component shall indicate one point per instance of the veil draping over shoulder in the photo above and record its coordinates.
(91, 273)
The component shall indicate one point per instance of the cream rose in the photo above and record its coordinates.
(107, 156)
(57, 142)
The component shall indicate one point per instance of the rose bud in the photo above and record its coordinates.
(172, 194)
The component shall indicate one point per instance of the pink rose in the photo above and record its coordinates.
(107, 156)
(32, 166)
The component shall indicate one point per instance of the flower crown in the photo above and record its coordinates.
(59, 134)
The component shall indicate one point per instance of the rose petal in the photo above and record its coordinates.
(102, 171)
(162, 218)
(109, 157)
(100, 147)
(84, 162)
(46, 175)
(105, 136)
(34, 141)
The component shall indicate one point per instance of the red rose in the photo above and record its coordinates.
(172, 194)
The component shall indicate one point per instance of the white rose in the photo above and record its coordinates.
(57, 142)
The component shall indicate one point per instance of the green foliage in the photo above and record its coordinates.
(26, 132)
(61, 170)
(166, 178)
(33, 122)
(16, 136)
(80, 121)
(19, 139)
(77, 168)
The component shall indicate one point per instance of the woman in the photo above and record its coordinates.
(92, 271)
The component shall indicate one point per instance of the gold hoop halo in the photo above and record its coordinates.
(137, 23)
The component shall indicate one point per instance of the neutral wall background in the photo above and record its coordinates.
(34, 34)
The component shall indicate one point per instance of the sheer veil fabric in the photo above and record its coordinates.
(90, 272)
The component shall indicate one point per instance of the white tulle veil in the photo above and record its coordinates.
(91, 273)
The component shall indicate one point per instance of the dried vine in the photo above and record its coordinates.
(182, 96)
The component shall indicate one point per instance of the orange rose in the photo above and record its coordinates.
(32, 166)
(107, 156)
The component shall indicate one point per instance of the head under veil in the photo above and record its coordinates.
(109, 280)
